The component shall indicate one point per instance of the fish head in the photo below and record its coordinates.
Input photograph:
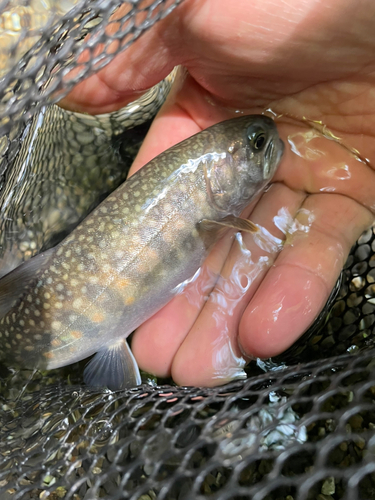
(251, 150)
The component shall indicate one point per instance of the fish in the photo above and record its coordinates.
(67, 164)
(126, 260)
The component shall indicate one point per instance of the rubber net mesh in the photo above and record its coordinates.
(302, 429)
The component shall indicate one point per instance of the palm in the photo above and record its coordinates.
(312, 65)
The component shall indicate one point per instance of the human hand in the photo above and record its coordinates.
(310, 59)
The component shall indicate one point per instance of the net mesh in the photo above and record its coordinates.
(302, 429)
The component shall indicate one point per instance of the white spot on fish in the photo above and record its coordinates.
(24, 246)
(77, 303)
(107, 268)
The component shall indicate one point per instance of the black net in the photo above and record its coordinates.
(301, 429)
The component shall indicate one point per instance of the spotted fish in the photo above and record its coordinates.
(68, 162)
(126, 260)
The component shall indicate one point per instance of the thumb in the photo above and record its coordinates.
(144, 64)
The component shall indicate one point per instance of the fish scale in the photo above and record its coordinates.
(126, 260)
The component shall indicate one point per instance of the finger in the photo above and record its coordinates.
(156, 341)
(318, 165)
(298, 285)
(209, 353)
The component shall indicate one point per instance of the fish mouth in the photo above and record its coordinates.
(281, 150)
(271, 148)
(270, 152)
(272, 156)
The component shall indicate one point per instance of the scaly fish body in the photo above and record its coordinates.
(67, 164)
(125, 260)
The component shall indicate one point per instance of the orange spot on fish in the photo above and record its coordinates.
(122, 283)
(55, 342)
(98, 317)
(129, 300)
(77, 334)
(48, 355)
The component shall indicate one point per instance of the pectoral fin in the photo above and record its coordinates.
(15, 283)
(228, 222)
(114, 367)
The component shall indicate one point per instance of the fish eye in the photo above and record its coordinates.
(257, 137)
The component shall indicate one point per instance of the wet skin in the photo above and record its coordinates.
(309, 59)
